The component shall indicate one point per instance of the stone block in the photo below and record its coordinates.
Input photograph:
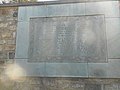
(34, 81)
(112, 31)
(10, 61)
(22, 40)
(1, 47)
(14, 35)
(3, 25)
(10, 19)
(2, 41)
(108, 8)
(114, 68)
(12, 28)
(2, 61)
(9, 47)
(4, 11)
(66, 70)
(6, 35)
(99, 70)
(11, 55)
(37, 88)
(15, 14)
(63, 84)
(34, 69)
(9, 42)
(111, 87)
(93, 87)
(3, 55)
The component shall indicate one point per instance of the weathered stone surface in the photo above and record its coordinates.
(11, 55)
(6, 35)
(12, 28)
(9, 61)
(64, 84)
(10, 47)
(2, 41)
(36, 83)
(8, 26)
(2, 19)
(93, 87)
(3, 25)
(3, 55)
(14, 35)
(1, 47)
(9, 42)
(111, 87)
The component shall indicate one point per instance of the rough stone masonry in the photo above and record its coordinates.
(8, 27)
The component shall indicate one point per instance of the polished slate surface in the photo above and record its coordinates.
(84, 70)
(98, 69)
(53, 69)
(108, 8)
(66, 9)
(51, 10)
(58, 10)
(34, 69)
(66, 70)
(22, 13)
(22, 40)
(113, 37)
(37, 11)
(77, 9)
(114, 68)
(67, 39)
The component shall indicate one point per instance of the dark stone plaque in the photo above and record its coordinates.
(67, 39)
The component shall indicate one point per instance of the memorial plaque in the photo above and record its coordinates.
(67, 39)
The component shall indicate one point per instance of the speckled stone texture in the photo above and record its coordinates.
(69, 84)
(8, 27)
(67, 39)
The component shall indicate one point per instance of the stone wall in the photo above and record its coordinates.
(68, 84)
(8, 27)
